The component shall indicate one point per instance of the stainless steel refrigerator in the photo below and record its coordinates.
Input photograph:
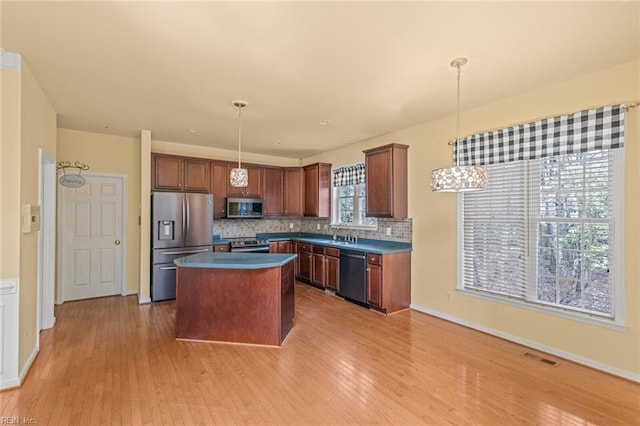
(181, 225)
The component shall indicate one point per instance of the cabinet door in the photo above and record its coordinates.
(196, 175)
(374, 284)
(272, 187)
(318, 269)
(333, 273)
(317, 190)
(284, 247)
(167, 172)
(219, 179)
(254, 186)
(386, 177)
(293, 191)
(273, 247)
(304, 265)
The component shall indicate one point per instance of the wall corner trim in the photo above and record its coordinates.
(9, 60)
(143, 300)
(534, 345)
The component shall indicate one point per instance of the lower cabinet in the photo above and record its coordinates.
(221, 247)
(332, 268)
(304, 262)
(318, 267)
(389, 281)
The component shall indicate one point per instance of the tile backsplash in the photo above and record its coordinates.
(400, 230)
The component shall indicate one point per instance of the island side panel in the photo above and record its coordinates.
(288, 306)
(229, 305)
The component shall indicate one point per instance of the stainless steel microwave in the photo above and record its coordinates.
(244, 208)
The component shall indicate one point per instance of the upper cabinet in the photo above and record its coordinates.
(175, 173)
(219, 179)
(253, 189)
(386, 181)
(317, 190)
(272, 187)
(293, 191)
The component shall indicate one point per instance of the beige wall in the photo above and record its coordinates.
(434, 218)
(9, 174)
(111, 154)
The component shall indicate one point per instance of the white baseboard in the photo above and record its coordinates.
(143, 300)
(27, 365)
(129, 292)
(562, 354)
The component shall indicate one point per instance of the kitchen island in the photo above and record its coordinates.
(235, 297)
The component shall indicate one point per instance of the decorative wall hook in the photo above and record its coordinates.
(71, 175)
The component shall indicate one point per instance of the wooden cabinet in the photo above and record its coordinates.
(386, 181)
(318, 267)
(374, 280)
(254, 187)
(389, 281)
(280, 247)
(272, 191)
(332, 268)
(221, 248)
(218, 187)
(175, 173)
(304, 262)
(317, 190)
(293, 194)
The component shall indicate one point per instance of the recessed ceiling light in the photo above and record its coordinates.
(191, 130)
(325, 122)
(105, 126)
(277, 143)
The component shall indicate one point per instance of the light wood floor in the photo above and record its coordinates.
(111, 361)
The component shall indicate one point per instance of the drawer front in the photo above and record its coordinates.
(304, 247)
(374, 259)
(332, 251)
(318, 249)
(221, 248)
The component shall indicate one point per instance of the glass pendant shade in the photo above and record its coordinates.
(239, 177)
(458, 179)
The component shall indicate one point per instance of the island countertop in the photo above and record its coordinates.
(218, 260)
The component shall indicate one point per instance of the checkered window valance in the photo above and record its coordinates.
(589, 130)
(349, 175)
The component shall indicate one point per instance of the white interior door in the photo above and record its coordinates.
(92, 238)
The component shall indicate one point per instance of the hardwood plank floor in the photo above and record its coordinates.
(112, 361)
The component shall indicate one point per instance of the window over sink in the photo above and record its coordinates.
(349, 198)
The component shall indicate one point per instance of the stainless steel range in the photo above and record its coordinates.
(249, 245)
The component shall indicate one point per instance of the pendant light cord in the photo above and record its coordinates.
(239, 133)
(457, 118)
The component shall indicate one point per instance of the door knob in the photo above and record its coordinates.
(117, 242)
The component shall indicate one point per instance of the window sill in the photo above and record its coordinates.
(557, 312)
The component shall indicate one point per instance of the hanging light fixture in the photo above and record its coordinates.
(239, 176)
(457, 178)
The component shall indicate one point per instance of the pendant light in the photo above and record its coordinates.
(457, 178)
(239, 176)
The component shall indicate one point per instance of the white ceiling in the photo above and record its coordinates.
(368, 67)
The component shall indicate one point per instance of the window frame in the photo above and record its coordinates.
(335, 209)
(530, 302)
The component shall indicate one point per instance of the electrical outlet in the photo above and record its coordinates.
(318, 226)
(388, 231)
(449, 296)
(291, 226)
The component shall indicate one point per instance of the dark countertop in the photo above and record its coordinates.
(216, 260)
(364, 244)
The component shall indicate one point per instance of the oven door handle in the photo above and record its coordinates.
(251, 249)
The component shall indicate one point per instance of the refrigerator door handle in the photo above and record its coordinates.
(164, 268)
(184, 251)
(187, 219)
(184, 219)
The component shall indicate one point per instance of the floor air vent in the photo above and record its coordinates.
(541, 359)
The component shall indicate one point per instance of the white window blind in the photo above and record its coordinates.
(543, 232)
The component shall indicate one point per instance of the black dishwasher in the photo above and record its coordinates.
(353, 276)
